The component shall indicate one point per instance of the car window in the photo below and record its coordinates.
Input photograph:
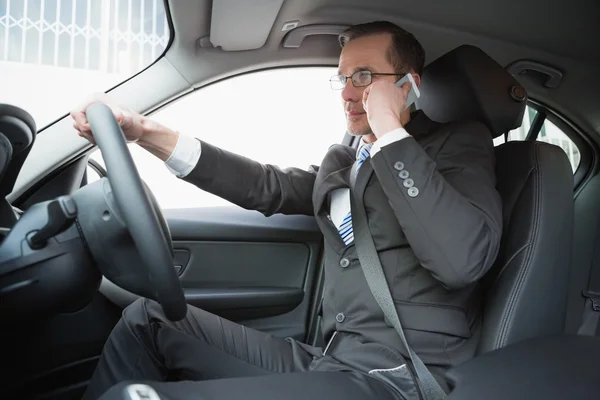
(548, 133)
(286, 117)
(54, 51)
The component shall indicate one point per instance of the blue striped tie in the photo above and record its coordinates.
(345, 228)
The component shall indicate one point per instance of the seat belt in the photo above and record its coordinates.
(369, 261)
(591, 314)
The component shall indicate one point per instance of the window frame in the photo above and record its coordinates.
(581, 141)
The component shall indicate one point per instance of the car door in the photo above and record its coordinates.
(262, 272)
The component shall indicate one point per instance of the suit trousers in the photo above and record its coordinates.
(204, 356)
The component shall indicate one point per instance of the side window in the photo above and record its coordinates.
(548, 132)
(286, 117)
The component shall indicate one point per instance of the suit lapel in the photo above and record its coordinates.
(336, 174)
(323, 187)
(359, 184)
(335, 180)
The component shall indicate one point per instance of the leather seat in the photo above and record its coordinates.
(526, 290)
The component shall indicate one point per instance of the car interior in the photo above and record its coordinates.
(74, 253)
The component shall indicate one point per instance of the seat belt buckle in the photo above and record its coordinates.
(594, 298)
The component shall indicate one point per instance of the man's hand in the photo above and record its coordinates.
(131, 122)
(383, 102)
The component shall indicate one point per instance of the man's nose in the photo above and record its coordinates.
(352, 94)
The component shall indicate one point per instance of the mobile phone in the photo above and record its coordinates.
(414, 93)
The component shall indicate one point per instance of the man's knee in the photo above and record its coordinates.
(133, 327)
(136, 317)
(141, 312)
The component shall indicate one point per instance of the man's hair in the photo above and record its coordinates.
(405, 53)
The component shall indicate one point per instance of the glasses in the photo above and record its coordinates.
(359, 79)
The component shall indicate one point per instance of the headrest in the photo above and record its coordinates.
(467, 84)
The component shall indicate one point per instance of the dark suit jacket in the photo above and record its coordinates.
(436, 236)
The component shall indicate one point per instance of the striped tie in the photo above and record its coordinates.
(345, 228)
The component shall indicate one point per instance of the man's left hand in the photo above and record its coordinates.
(383, 102)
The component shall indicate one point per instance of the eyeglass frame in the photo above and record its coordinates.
(372, 74)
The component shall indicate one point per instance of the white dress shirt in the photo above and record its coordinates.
(188, 150)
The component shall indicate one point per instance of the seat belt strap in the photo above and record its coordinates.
(369, 261)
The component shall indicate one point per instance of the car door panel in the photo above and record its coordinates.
(256, 270)
(248, 268)
(246, 264)
(241, 280)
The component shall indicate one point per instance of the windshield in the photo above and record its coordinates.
(54, 53)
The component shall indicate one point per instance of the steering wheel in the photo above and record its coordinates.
(139, 212)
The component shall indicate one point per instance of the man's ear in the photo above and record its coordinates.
(417, 79)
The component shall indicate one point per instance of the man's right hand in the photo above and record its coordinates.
(131, 122)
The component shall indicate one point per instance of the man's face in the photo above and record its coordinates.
(365, 53)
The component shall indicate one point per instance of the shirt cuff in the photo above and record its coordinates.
(388, 138)
(185, 156)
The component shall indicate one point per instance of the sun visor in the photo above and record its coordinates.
(242, 25)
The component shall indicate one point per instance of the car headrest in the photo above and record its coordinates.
(467, 84)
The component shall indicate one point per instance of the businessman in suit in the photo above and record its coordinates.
(432, 208)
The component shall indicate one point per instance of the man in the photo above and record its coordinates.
(435, 216)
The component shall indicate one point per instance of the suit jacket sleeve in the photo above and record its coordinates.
(252, 185)
(454, 223)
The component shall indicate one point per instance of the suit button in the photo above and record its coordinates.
(399, 165)
(403, 174)
(340, 317)
(413, 192)
(344, 262)
(409, 183)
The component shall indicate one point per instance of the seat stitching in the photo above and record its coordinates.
(533, 237)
